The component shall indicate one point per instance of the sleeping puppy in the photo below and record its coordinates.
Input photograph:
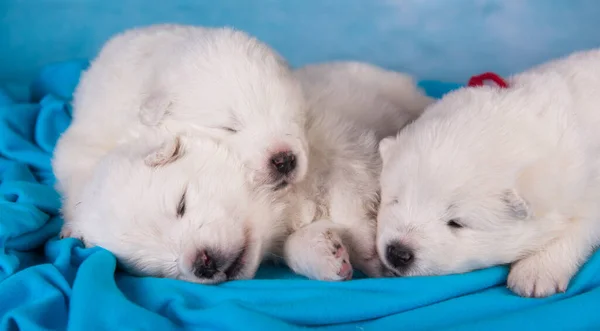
(490, 176)
(219, 83)
(178, 207)
(135, 182)
(332, 212)
(372, 98)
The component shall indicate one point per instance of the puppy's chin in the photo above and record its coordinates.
(267, 180)
(401, 273)
(243, 266)
(280, 185)
(236, 269)
(422, 271)
(216, 279)
(247, 264)
(243, 272)
(412, 272)
(246, 272)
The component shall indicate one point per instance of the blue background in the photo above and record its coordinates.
(446, 40)
(49, 284)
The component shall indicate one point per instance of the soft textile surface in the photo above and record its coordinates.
(47, 283)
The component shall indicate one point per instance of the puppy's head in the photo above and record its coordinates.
(237, 90)
(179, 209)
(452, 198)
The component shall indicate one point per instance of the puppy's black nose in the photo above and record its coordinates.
(399, 256)
(284, 162)
(204, 266)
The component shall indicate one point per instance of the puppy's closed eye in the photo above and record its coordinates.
(181, 206)
(230, 130)
(455, 223)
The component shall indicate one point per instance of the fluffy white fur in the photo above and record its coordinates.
(158, 176)
(490, 176)
(333, 210)
(219, 83)
(150, 88)
(372, 98)
(160, 202)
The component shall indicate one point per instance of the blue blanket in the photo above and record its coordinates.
(46, 283)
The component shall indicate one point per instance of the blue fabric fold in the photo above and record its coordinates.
(47, 284)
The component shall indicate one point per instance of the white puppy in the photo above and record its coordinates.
(178, 207)
(219, 83)
(490, 176)
(154, 87)
(333, 210)
(372, 98)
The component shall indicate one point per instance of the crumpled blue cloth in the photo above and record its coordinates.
(46, 283)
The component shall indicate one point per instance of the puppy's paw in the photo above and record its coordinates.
(336, 261)
(536, 278)
(319, 255)
(65, 232)
(330, 259)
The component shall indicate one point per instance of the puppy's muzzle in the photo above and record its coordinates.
(207, 264)
(284, 163)
(399, 256)
(204, 266)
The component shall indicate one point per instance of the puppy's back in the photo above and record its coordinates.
(373, 98)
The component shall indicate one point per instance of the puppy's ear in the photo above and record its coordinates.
(168, 152)
(516, 206)
(385, 146)
(154, 108)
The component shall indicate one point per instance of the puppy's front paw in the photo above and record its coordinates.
(337, 263)
(65, 232)
(319, 255)
(538, 278)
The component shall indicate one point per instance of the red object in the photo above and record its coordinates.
(479, 79)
